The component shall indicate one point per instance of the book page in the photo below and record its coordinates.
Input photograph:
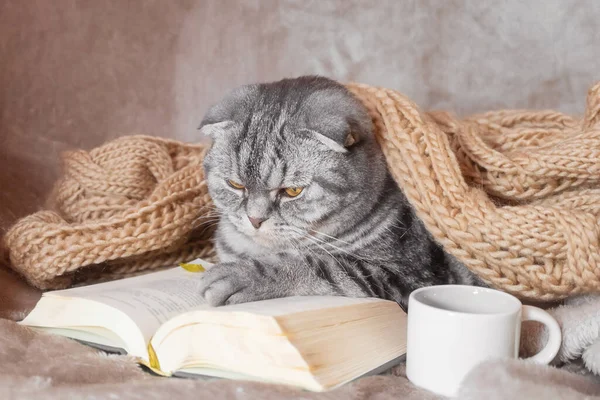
(149, 300)
(296, 304)
(277, 307)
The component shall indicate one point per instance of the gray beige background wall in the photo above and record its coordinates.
(75, 73)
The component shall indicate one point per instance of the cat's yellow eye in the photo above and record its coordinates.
(293, 191)
(235, 185)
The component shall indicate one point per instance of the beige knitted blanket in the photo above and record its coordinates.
(515, 195)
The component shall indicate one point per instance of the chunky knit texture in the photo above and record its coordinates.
(515, 195)
(122, 208)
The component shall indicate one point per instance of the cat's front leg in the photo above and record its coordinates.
(250, 280)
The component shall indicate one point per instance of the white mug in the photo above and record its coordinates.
(452, 328)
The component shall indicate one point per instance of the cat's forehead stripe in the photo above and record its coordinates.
(261, 155)
(260, 163)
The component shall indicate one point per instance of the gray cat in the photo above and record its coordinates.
(306, 204)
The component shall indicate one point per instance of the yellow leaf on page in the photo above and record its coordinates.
(192, 267)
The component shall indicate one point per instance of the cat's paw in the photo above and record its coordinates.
(231, 283)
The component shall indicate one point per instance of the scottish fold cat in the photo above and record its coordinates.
(306, 204)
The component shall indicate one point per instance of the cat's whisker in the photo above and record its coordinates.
(336, 240)
(316, 255)
(325, 250)
(317, 242)
(350, 254)
(200, 222)
(405, 232)
(345, 268)
(307, 235)
(331, 237)
(340, 249)
(208, 226)
(211, 209)
(212, 214)
(301, 248)
(293, 230)
(209, 215)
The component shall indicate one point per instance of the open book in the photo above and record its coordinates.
(314, 342)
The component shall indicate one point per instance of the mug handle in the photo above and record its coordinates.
(547, 354)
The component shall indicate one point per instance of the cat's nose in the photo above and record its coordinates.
(256, 222)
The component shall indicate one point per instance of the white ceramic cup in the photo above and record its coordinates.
(452, 328)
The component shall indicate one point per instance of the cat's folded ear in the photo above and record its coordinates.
(337, 119)
(221, 117)
(213, 130)
(350, 140)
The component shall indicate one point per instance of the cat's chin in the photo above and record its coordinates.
(265, 239)
(269, 240)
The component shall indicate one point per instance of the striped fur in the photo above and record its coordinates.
(350, 232)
